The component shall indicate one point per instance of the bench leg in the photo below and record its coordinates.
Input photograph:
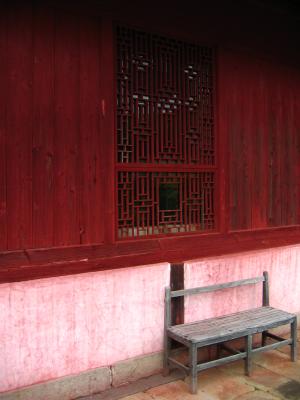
(193, 368)
(294, 340)
(167, 349)
(248, 360)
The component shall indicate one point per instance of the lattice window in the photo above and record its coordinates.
(165, 135)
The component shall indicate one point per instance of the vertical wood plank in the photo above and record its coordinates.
(67, 122)
(167, 324)
(221, 129)
(262, 198)
(282, 147)
(234, 143)
(296, 126)
(274, 146)
(260, 155)
(248, 360)
(266, 295)
(3, 128)
(292, 162)
(91, 196)
(193, 368)
(108, 107)
(43, 132)
(19, 124)
(249, 120)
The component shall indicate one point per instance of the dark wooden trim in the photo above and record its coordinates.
(177, 283)
(221, 137)
(107, 111)
(165, 167)
(41, 263)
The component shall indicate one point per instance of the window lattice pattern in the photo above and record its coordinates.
(164, 100)
(143, 210)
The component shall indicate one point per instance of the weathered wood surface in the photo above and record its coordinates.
(217, 330)
(214, 330)
(212, 288)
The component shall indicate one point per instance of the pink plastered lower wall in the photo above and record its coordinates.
(283, 265)
(60, 326)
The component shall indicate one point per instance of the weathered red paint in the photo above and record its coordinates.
(57, 160)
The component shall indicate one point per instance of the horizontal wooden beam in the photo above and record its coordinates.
(273, 346)
(274, 337)
(213, 288)
(221, 361)
(165, 167)
(41, 263)
(178, 364)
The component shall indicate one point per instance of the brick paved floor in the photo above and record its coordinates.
(274, 377)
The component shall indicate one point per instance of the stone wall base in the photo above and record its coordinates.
(90, 382)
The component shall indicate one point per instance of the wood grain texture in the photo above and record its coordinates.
(66, 140)
(19, 126)
(262, 142)
(50, 176)
(43, 128)
(213, 288)
(91, 223)
(108, 151)
(37, 263)
(3, 130)
(231, 326)
(57, 159)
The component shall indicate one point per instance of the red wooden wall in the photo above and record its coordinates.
(57, 131)
(263, 125)
(50, 177)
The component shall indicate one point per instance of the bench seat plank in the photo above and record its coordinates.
(232, 326)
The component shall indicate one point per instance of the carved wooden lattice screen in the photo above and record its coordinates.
(165, 135)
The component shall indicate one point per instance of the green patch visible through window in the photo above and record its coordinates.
(169, 196)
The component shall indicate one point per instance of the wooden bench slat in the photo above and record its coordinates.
(236, 325)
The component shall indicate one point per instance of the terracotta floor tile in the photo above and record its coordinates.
(177, 391)
(279, 363)
(138, 396)
(259, 395)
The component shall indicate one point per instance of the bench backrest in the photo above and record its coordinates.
(205, 289)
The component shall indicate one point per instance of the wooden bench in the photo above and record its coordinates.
(218, 330)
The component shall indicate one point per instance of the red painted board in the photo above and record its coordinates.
(90, 172)
(67, 123)
(19, 127)
(44, 127)
(3, 132)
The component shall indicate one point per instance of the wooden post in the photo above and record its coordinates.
(177, 283)
(193, 368)
(167, 324)
(266, 302)
(248, 361)
(294, 340)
